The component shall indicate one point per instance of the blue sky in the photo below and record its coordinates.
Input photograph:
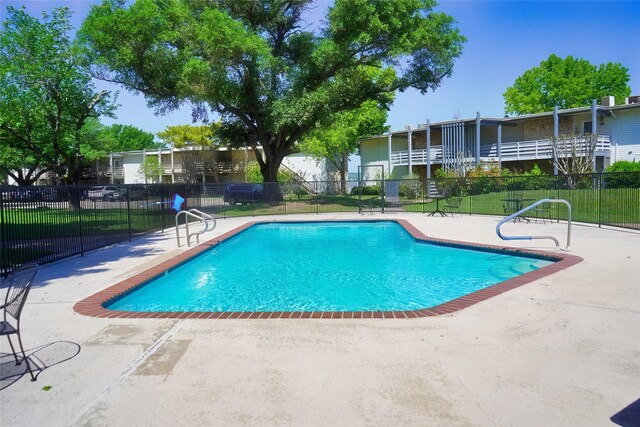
(505, 38)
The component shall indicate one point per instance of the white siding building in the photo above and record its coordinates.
(512, 142)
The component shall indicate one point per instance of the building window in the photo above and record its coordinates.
(587, 128)
(225, 156)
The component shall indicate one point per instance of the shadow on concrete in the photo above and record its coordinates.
(93, 261)
(40, 358)
(629, 416)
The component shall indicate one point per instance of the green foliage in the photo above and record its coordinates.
(366, 190)
(567, 83)
(490, 179)
(624, 166)
(97, 140)
(449, 183)
(410, 187)
(118, 137)
(151, 169)
(254, 176)
(485, 180)
(286, 176)
(184, 135)
(624, 174)
(46, 95)
(20, 164)
(253, 173)
(338, 137)
(257, 65)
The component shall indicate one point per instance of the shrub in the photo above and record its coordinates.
(255, 176)
(367, 190)
(485, 180)
(623, 174)
(450, 183)
(410, 187)
(253, 173)
(624, 166)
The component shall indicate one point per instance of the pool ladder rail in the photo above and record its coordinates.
(208, 220)
(532, 206)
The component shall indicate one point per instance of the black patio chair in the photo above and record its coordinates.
(452, 205)
(543, 211)
(17, 286)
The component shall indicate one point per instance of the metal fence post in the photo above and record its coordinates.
(4, 262)
(76, 195)
(162, 209)
(558, 183)
(383, 190)
(128, 214)
(470, 198)
(600, 180)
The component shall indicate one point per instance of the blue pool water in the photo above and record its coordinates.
(324, 266)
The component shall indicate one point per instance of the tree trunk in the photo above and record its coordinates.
(21, 179)
(269, 169)
(344, 164)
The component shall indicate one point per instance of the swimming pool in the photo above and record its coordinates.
(326, 267)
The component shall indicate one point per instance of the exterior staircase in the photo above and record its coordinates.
(299, 179)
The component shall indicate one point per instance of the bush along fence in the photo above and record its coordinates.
(44, 224)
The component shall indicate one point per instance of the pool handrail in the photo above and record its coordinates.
(200, 216)
(531, 206)
(205, 216)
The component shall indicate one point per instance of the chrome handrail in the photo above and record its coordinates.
(200, 216)
(206, 217)
(531, 206)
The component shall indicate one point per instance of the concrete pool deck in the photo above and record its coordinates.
(561, 350)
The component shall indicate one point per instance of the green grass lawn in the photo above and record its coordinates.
(610, 206)
(30, 223)
(45, 234)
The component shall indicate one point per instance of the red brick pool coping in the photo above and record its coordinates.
(94, 305)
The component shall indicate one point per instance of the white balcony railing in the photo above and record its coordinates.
(209, 167)
(511, 151)
(106, 171)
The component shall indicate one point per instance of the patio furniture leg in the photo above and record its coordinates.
(13, 350)
(26, 359)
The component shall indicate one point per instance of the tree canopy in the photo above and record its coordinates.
(46, 95)
(258, 66)
(119, 137)
(184, 135)
(338, 139)
(199, 138)
(98, 140)
(567, 83)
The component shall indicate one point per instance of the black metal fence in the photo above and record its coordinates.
(44, 224)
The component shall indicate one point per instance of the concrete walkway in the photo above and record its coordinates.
(563, 350)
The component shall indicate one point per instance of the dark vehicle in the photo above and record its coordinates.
(55, 194)
(21, 194)
(136, 192)
(242, 193)
(101, 192)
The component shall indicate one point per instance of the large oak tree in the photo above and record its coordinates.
(259, 66)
